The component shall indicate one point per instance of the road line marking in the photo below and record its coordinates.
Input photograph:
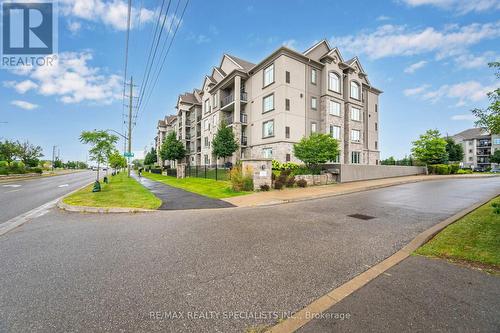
(64, 185)
(23, 218)
(11, 185)
(13, 191)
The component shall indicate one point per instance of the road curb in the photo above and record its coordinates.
(369, 188)
(326, 301)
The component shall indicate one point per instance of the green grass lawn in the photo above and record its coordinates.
(120, 192)
(475, 239)
(216, 189)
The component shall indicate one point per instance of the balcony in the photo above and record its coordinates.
(198, 134)
(198, 149)
(243, 119)
(229, 99)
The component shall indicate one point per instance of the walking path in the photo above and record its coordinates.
(314, 192)
(177, 199)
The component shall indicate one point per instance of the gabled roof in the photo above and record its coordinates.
(473, 133)
(353, 61)
(161, 123)
(323, 41)
(243, 64)
(188, 98)
(170, 119)
(333, 51)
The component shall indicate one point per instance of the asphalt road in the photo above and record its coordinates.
(209, 270)
(20, 196)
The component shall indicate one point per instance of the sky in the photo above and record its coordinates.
(429, 57)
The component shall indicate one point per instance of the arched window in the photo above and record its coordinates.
(355, 91)
(334, 82)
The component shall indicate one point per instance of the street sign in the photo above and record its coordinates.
(127, 154)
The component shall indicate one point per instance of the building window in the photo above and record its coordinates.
(470, 151)
(376, 107)
(287, 77)
(333, 108)
(287, 132)
(376, 144)
(496, 141)
(355, 157)
(268, 75)
(287, 104)
(314, 103)
(207, 106)
(354, 90)
(268, 103)
(355, 114)
(355, 135)
(314, 127)
(287, 157)
(268, 129)
(335, 131)
(333, 82)
(376, 126)
(314, 76)
(206, 124)
(207, 143)
(207, 161)
(267, 152)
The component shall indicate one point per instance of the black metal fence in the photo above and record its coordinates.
(217, 172)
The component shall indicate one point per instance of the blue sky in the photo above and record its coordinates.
(428, 56)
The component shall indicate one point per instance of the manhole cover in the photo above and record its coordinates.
(361, 216)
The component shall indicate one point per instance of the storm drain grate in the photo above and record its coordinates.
(361, 216)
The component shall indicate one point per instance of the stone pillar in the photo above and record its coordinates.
(181, 170)
(237, 115)
(262, 170)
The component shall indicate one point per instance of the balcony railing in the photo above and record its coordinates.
(230, 98)
(198, 134)
(243, 119)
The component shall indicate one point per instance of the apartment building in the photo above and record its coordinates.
(164, 127)
(271, 105)
(478, 145)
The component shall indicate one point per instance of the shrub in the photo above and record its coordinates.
(303, 170)
(464, 171)
(276, 165)
(241, 180)
(289, 166)
(431, 169)
(264, 187)
(290, 181)
(17, 167)
(443, 169)
(36, 170)
(454, 168)
(302, 183)
(4, 164)
(278, 185)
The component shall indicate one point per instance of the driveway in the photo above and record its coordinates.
(209, 270)
(178, 199)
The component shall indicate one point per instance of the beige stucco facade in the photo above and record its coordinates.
(273, 104)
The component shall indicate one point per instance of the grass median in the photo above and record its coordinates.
(121, 191)
(217, 189)
(474, 239)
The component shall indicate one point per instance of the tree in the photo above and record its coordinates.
(430, 148)
(389, 161)
(490, 117)
(102, 146)
(151, 157)
(224, 143)
(172, 149)
(137, 163)
(455, 150)
(316, 149)
(58, 163)
(28, 153)
(8, 151)
(495, 158)
(117, 161)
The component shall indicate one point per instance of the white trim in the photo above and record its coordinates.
(316, 45)
(234, 61)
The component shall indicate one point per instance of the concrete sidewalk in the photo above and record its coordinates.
(315, 192)
(418, 295)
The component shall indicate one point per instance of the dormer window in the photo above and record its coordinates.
(355, 90)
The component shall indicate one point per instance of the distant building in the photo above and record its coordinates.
(478, 146)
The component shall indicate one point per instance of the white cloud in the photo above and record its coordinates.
(72, 80)
(416, 91)
(24, 105)
(469, 116)
(383, 18)
(390, 40)
(74, 26)
(459, 6)
(199, 39)
(290, 43)
(113, 13)
(413, 67)
(472, 61)
(21, 87)
(463, 92)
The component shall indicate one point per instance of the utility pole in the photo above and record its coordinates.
(53, 156)
(131, 100)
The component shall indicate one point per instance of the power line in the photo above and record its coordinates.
(127, 39)
(164, 58)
